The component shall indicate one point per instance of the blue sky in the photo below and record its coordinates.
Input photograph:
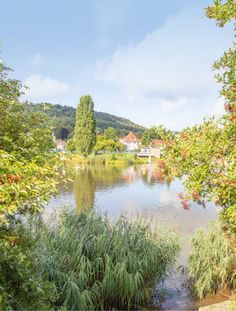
(147, 60)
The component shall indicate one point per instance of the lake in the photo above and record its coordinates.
(136, 192)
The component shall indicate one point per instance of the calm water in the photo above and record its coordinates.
(135, 192)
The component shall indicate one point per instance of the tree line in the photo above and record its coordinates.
(63, 118)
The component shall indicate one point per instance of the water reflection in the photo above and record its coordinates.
(84, 189)
(137, 192)
(133, 192)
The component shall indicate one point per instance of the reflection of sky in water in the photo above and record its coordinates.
(159, 203)
(134, 193)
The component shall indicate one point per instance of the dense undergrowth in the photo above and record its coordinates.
(212, 261)
(96, 265)
(21, 287)
(83, 262)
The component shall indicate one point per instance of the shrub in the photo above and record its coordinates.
(105, 144)
(20, 285)
(103, 266)
(212, 261)
(228, 216)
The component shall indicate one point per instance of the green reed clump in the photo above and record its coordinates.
(212, 261)
(97, 265)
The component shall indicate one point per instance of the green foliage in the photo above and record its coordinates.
(10, 89)
(71, 144)
(115, 159)
(105, 144)
(122, 125)
(228, 216)
(226, 66)
(110, 133)
(28, 176)
(63, 120)
(20, 285)
(20, 131)
(103, 266)
(85, 129)
(28, 171)
(25, 185)
(212, 261)
(155, 132)
(223, 13)
(206, 154)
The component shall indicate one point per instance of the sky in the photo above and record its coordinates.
(146, 60)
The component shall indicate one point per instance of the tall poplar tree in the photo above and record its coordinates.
(85, 128)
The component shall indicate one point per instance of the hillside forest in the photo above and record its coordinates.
(63, 120)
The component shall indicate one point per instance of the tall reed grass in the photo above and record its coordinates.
(212, 261)
(97, 265)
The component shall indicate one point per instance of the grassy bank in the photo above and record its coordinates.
(116, 159)
(106, 159)
(97, 265)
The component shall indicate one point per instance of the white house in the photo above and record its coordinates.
(131, 142)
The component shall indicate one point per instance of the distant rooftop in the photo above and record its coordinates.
(130, 138)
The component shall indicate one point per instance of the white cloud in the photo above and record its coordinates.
(36, 60)
(43, 87)
(175, 105)
(218, 107)
(168, 72)
(171, 60)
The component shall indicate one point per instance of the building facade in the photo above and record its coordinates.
(131, 142)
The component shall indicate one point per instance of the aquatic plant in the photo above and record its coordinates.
(98, 265)
(212, 261)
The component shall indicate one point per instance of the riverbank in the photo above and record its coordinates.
(115, 159)
(228, 305)
(136, 192)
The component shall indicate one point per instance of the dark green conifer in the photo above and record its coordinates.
(85, 128)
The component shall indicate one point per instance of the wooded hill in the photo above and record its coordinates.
(63, 120)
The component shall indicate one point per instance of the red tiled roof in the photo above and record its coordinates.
(130, 138)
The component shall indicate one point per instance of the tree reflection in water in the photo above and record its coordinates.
(92, 178)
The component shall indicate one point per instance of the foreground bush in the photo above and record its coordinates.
(21, 288)
(212, 262)
(29, 174)
(228, 216)
(98, 265)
